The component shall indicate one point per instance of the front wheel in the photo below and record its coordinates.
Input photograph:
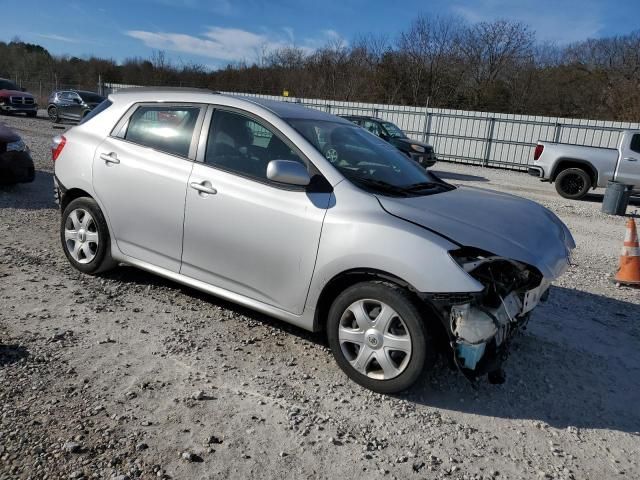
(85, 236)
(53, 114)
(573, 183)
(379, 337)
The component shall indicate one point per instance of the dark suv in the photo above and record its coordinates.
(14, 99)
(390, 132)
(71, 104)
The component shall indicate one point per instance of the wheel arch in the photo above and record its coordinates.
(348, 278)
(567, 162)
(70, 195)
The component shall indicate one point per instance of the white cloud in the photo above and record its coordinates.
(59, 38)
(228, 44)
(552, 21)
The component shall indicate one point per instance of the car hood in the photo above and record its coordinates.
(7, 135)
(499, 223)
(15, 93)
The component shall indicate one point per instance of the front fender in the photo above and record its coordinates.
(357, 238)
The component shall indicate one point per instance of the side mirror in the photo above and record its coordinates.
(77, 100)
(22, 89)
(288, 172)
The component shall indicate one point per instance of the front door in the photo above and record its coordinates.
(629, 164)
(242, 232)
(140, 176)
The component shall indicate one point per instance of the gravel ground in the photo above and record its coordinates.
(131, 376)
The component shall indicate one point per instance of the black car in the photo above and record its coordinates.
(71, 104)
(16, 165)
(419, 151)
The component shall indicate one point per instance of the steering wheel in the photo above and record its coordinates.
(331, 153)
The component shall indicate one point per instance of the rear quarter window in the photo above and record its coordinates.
(635, 143)
(165, 128)
(96, 111)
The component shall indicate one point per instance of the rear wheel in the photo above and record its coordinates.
(573, 183)
(378, 336)
(53, 114)
(85, 236)
(32, 114)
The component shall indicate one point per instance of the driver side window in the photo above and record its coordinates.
(373, 127)
(239, 144)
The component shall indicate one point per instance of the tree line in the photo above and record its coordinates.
(496, 66)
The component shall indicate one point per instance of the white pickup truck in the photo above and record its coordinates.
(576, 169)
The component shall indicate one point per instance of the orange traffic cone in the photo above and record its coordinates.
(629, 270)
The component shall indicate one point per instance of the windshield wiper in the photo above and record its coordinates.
(418, 187)
(379, 185)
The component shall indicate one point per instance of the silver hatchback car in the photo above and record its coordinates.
(306, 217)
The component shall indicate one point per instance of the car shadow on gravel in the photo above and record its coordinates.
(136, 276)
(577, 365)
(29, 196)
(11, 354)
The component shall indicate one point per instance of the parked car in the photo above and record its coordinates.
(14, 99)
(576, 169)
(236, 197)
(71, 104)
(16, 165)
(390, 132)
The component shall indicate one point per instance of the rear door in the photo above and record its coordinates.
(629, 164)
(65, 104)
(243, 232)
(140, 175)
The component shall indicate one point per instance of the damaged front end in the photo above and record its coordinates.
(480, 325)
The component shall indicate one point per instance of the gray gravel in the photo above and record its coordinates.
(131, 376)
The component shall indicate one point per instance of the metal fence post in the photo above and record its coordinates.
(487, 152)
(427, 126)
(556, 132)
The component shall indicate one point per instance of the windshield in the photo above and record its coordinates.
(91, 97)
(368, 161)
(393, 130)
(8, 85)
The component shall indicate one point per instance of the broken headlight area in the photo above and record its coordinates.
(481, 324)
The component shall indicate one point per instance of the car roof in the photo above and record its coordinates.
(282, 109)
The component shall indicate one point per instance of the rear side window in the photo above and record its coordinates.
(635, 143)
(165, 128)
(100, 108)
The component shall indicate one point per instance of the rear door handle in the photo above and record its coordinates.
(630, 159)
(109, 157)
(204, 187)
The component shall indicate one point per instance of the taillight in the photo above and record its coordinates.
(57, 145)
(538, 151)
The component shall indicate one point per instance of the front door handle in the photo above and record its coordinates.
(204, 187)
(109, 157)
(630, 159)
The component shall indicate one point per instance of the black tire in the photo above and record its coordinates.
(101, 260)
(53, 114)
(422, 354)
(573, 183)
(32, 114)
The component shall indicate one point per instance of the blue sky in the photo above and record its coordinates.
(215, 32)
